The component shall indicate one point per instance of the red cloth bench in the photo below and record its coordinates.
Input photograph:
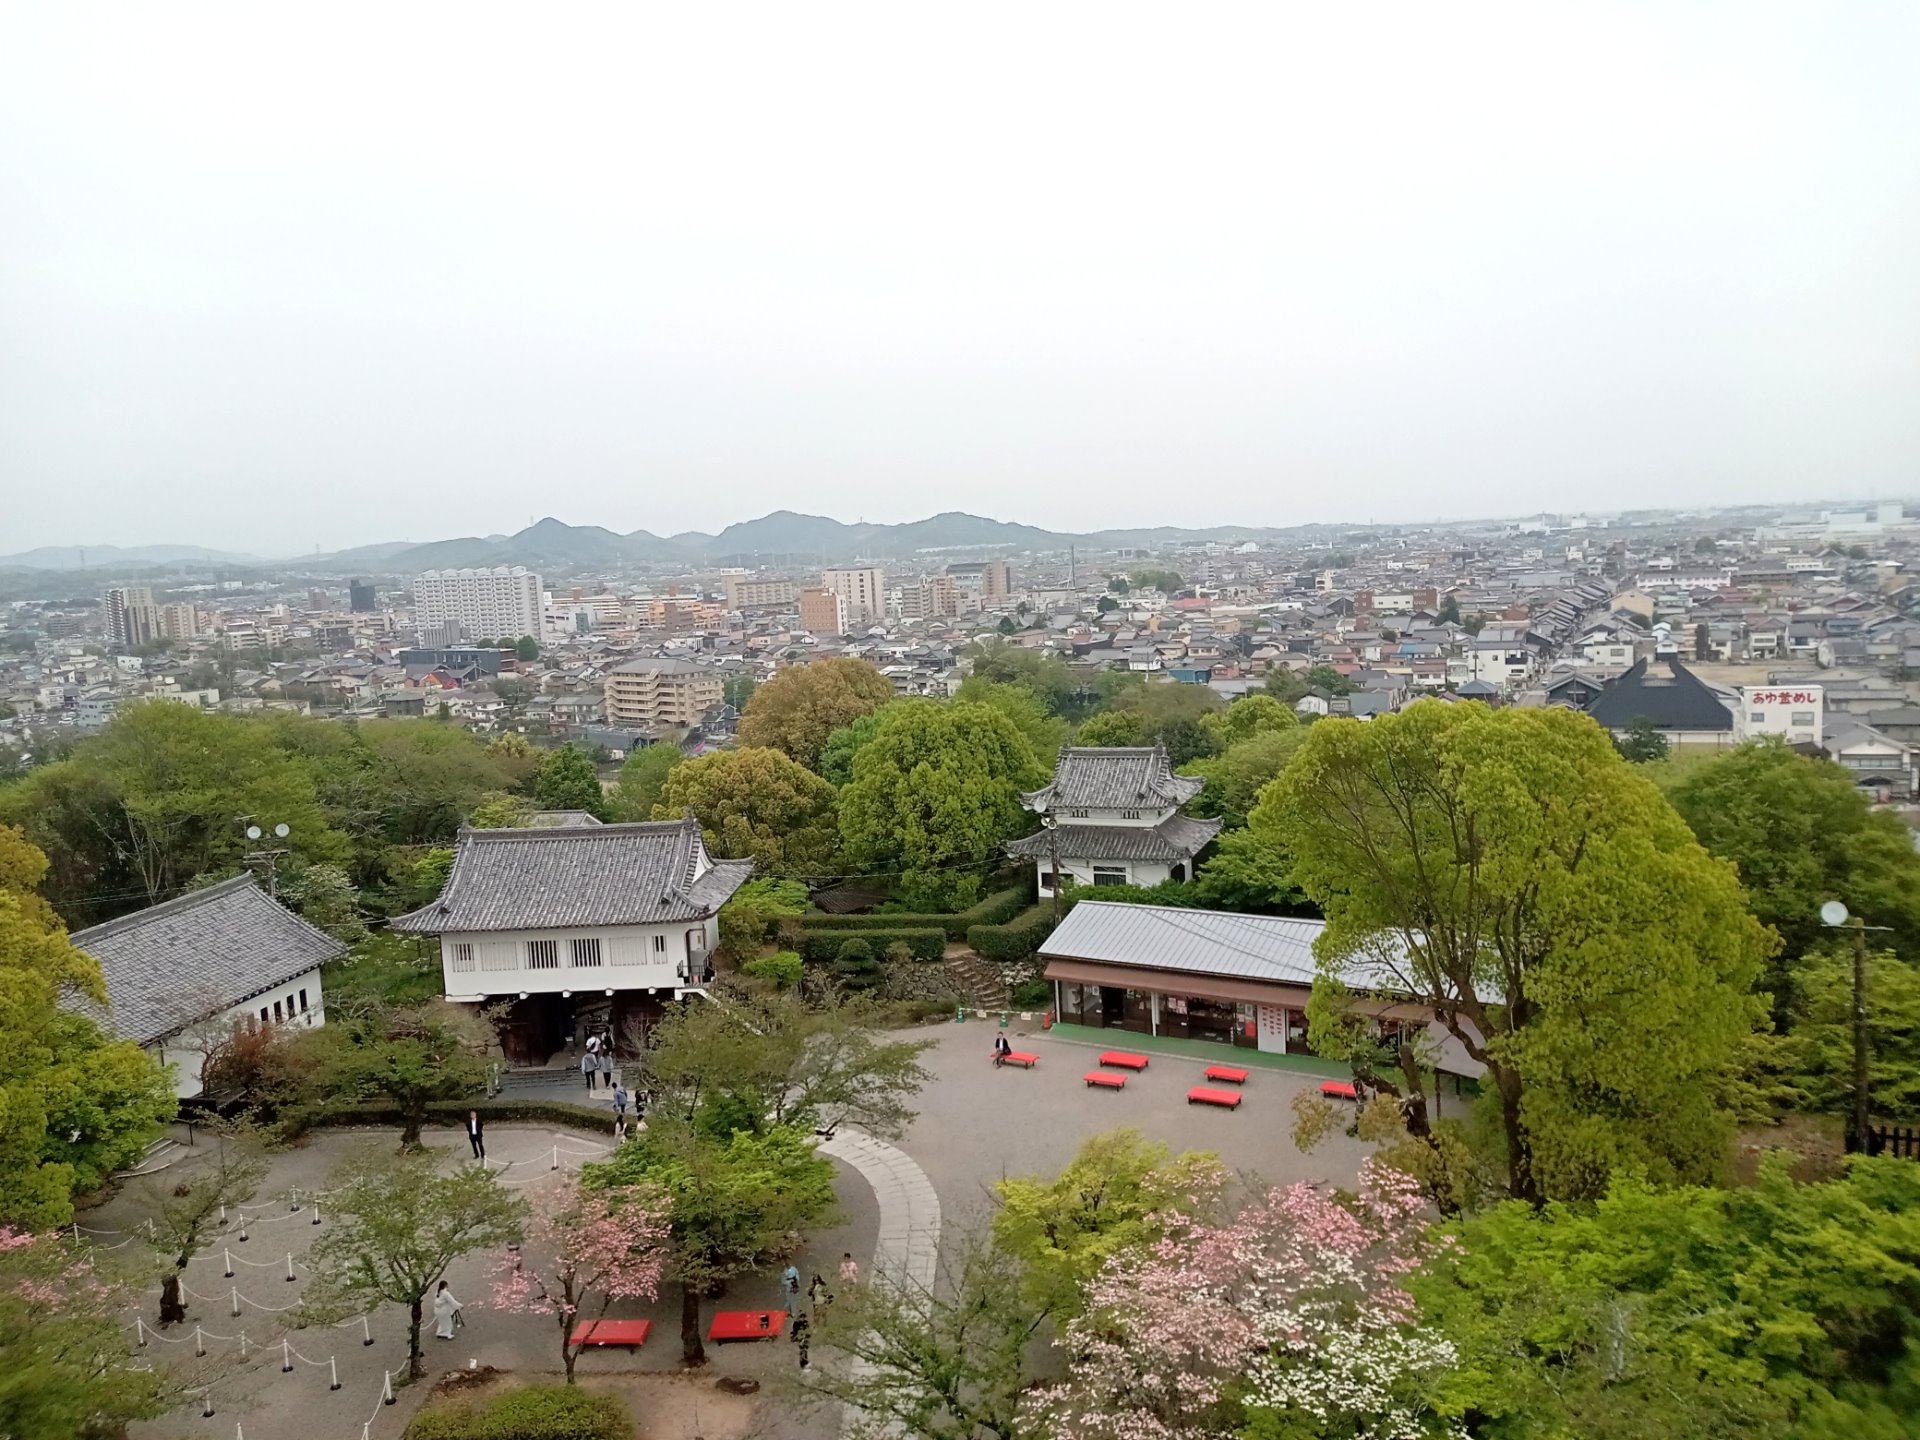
(1020, 1057)
(1124, 1060)
(631, 1333)
(746, 1325)
(1231, 1074)
(1206, 1095)
(1338, 1090)
(1110, 1082)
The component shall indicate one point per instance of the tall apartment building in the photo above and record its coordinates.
(863, 588)
(928, 599)
(989, 579)
(651, 693)
(822, 611)
(744, 592)
(132, 617)
(179, 621)
(486, 604)
(362, 598)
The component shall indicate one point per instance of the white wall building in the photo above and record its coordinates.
(486, 604)
(862, 589)
(1113, 818)
(1796, 712)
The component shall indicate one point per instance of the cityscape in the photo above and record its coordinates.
(872, 722)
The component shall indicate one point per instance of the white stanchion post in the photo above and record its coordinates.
(236, 1299)
(199, 1342)
(333, 1373)
(243, 1345)
(366, 1331)
(293, 1199)
(386, 1389)
(556, 1159)
(206, 1405)
(223, 1214)
(243, 1226)
(140, 1331)
(316, 1212)
(229, 1255)
(76, 1232)
(289, 1264)
(286, 1357)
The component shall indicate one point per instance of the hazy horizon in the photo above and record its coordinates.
(272, 279)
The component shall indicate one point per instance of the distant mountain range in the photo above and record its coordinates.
(552, 544)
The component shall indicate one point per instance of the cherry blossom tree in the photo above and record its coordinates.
(595, 1247)
(1290, 1319)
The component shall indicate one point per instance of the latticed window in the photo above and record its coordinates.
(585, 953)
(543, 954)
(462, 957)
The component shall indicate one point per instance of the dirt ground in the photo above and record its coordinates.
(664, 1407)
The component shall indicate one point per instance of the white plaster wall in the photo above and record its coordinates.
(628, 960)
(187, 1059)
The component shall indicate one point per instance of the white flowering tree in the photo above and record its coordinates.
(1292, 1319)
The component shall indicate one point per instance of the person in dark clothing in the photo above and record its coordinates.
(476, 1134)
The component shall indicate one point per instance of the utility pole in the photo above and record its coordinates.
(270, 855)
(1053, 861)
(1834, 915)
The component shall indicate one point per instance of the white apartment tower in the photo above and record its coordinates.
(486, 604)
(132, 617)
(862, 589)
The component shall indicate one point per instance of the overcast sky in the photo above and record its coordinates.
(275, 276)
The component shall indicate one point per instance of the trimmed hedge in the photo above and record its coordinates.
(534, 1412)
(454, 1113)
(1017, 940)
(818, 947)
(995, 909)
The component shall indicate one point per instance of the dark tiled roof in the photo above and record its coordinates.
(1675, 699)
(578, 876)
(182, 960)
(1114, 778)
(1177, 837)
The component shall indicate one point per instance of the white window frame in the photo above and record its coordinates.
(1104, 875)
(460, 957)
(584, 952)
(543, 954)
(660, 945)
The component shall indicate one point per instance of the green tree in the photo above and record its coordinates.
(1819, 1051)
(1800, 833)
(803, 704)
(1235, 779)
(395, 1223)
(734, 1204)
(856, 967)
(1449, 613)
(1782, 1309)
(398, 1054)
(1166, 581)
(186, 1209)
(566, 781)
(75, 1106)
(1326, 678)
(526, 649)
(1006, 625)
(1044, 731)
(737, 690)
(1117, 1193)
(1046, 675)
(500, 812)
(642, 778)
(1112, 728)
(1250, 872)
(1642, 742)
(325, 894)
(1247, 717)
(1171, 715)
(1508, 869)
(756, 804)
(935, 795)
(1106, 604)
(160, 796)
(836, 756)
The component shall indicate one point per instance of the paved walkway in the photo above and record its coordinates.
(908, 1252)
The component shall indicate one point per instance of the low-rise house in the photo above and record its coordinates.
(1671, 698)
(182, 976)
(1112, 817)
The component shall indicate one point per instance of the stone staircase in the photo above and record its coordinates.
(985, 986)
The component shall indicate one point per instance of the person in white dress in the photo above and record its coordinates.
(445, 1307)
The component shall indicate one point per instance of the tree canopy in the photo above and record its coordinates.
(1509, 869)
(1162, 714)
(1043, 731)
(643, 776)
(802, 705)
(935, 795)
(566, 780)
(754, 803)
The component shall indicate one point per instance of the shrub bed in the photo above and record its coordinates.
(1017, 940)
(533, 1412)
(995, 909)
(820, 946)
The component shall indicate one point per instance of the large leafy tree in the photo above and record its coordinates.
(934, 796)
(160, 796)
(398, 1053)
(1800, 833)
(75, 1105)
(1247, 717)
(755, 803)
(642, 777)
(1236, 778)
(1817, 1056)
(803, 704)
(1508, 869)
(1045, 676)
(186, 1208)
(1172, 715)
(1116, 1194)
(734, 1203)
(1780, 1309)
(1044, 731)
(566, 780)
(395, 1223)
(836, 756)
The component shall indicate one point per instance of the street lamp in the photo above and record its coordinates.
(1834, 915)
(271, 854)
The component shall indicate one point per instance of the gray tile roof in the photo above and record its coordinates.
(1114, 778)
(1178, 837)
(184, 959)
(561, 819)
(572, 877)
(1278, 949)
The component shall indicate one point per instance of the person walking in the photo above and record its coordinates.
(818, 1295)
(790, 1287)
(620, 1098)
(589, 1067)
(849, 1272)
(445, 1310)
(476, 1135)
(803, 1332)
(605, 1062)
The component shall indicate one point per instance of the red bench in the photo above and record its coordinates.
(1020, 1057)
(1338, 1090)
(1206, 1095)
(630, 1333)
(1124, 1060)
(746, 1325)
(1230, 1074)
(1103, 1079)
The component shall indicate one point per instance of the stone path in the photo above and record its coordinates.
(908, 1252)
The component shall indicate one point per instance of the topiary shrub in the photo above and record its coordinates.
(533, 1412)
(783, 968)
(855, 966)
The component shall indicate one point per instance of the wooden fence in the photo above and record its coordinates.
(1902, 1141)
